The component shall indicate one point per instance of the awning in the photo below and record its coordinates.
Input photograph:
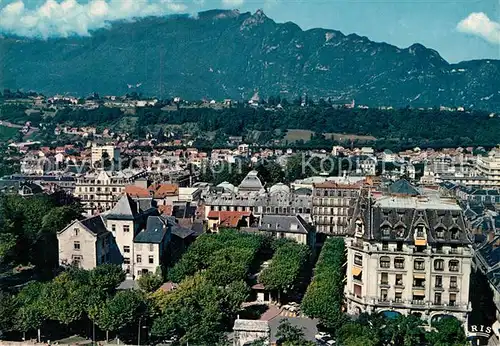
(419, 276)
(420, 242)
(419, 292)
(356, 271)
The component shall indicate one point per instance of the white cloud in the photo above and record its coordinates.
(478, 23)
(232, 3)
(69, 17)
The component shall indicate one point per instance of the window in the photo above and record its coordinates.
(453, 266)
(438, 264)
(126, 249)
(399, 246)
(453, 282)
(440, 233)
(383, 295)
(151, 247)
(75, 232)
(399, 263)
(76, 260)
(455, 235)
(386, 231)
(420, 231)
(398, 297)
(385, 246)
(76, 245)
(418, 282)
(113, 228)
(384, 280)
(126, 260)
(126, 228)
(151, 260)
(439, 281)
(385, 262)
(437, 298)
(139, 259)
(453, 299)
(358, 259)
(357, 291)
(399, 280)
(419, 264)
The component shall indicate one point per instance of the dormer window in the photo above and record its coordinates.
(386, 231)
(440, 233)
(359, 227)
(454, 233)
(420, 230)
(400, 231)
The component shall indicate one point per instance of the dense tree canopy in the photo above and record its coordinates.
(287, 271)
(28, 228)
(229, 251)
(324, 296)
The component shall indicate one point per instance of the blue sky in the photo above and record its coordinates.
(457, 29)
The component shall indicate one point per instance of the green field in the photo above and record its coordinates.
(7, 133)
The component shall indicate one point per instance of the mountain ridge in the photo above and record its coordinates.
(228, 54)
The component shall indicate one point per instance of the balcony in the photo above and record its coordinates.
(384, 284)
(420, 302)
(453, 288)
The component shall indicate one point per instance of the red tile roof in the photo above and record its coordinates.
(136, 191)
(164, 190)
(228, 218)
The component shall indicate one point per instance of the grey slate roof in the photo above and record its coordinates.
(401, 215)
(251, 325)
(156, 229)
(125, 209)
(403, 187)
(283, 223)
(95, 224)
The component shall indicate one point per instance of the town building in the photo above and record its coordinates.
(408, 253)
(99, 191)
(291, 227)
(132, 234)
(102, 152)
(489, 167)
(85, 244)
(332, 206)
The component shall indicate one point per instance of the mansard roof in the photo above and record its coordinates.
(400, 217)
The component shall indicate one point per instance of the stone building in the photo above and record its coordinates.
(100, 190)
(86, 243)
(248, 331)
(332, 206)
(408, 253)
(279, 199)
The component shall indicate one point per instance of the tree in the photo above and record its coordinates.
(29, 315)
(7, 312)
(106, 277)
(405, 330)
(149, 282)
(354, 334)
(289, 335)
(324, 296)
(287, 268)
(448, 332)
(122, 310)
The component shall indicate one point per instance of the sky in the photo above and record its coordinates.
(458, 29)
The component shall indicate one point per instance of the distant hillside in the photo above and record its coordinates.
(227, 54)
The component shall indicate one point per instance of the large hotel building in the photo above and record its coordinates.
(408, 253)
